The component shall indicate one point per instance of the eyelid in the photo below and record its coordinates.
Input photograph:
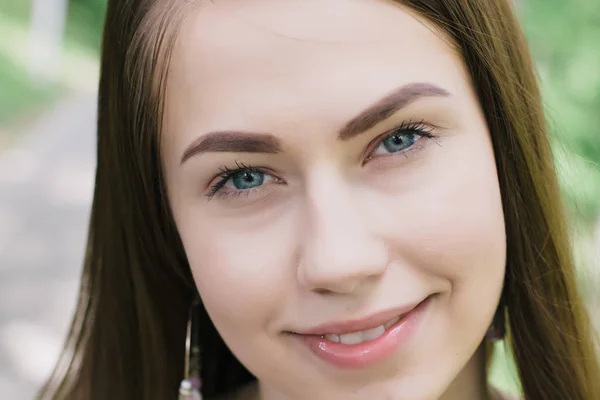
(424, 129)
(217, 183)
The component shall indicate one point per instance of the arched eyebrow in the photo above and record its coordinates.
(256, 142)
(233, 142)
(393, 102)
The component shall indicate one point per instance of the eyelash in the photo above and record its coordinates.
(418, 127)
(226, 174)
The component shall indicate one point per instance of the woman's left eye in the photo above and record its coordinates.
(398, 141)
(401, 139)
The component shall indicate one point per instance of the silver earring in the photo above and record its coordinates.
(189, 389)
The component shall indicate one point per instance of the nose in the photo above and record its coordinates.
(341, 252)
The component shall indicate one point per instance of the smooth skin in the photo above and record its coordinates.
(289, 221)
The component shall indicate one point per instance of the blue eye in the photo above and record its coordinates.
(399, 141)
(247, 180)
(240, 180)
(402, 138)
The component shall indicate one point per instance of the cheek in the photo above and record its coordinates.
(453, 230)
(241, 274)
(448, 219)
(450, 229)
(462, 229)
(466, 244)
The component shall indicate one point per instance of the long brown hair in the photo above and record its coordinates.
(128, 333)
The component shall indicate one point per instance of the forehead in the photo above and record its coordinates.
(238, 63)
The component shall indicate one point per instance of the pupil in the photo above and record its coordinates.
(398, 140)
(248, 180)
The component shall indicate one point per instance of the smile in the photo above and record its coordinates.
(363, 343)
(362, 336)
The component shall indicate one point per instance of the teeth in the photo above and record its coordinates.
(362, 336)
(391, 322)
(374, 333)
(332, 337)
(352, 338)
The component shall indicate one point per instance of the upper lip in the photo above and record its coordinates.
(356, 325)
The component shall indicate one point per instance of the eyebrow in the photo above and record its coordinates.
(394, 101)
(251, 142)
(233, 142)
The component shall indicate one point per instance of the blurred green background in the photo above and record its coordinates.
(564, 36)
(23, 97)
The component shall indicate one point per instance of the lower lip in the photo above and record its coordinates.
(369, 353)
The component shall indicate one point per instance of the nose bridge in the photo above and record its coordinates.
(340, 249)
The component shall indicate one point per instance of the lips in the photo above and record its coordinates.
(361, 336)
(362, 343)
(360, 325)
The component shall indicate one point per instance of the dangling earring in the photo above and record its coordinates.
(497, 330)
(190, 386)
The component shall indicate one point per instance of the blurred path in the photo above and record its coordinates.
(46, 184)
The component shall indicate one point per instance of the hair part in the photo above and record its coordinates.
(128, 334)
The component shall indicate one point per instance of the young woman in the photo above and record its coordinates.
(346, 198)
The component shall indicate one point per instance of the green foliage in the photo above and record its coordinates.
(16, 9)
(564, 37)
(85, 23)
(19, 97)
(17, 93)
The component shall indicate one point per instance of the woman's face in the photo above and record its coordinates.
(330, 170)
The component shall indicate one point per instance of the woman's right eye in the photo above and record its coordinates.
(246, 180)
(240, 181)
